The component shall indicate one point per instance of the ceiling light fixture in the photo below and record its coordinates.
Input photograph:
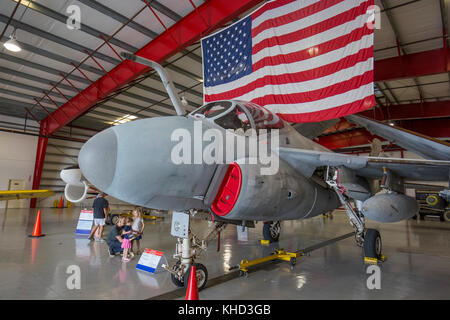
(12, 44)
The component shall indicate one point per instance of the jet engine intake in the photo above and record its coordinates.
(246, 194)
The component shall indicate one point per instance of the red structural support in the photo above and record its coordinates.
(176, 38)
(38, 165)
(350, 138)
(436, 109)
(412, 65)
(186, 31)
(436, 128)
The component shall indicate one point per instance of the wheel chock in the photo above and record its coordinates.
(368, 260)
(265, 242)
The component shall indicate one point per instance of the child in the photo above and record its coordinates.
(126, 234)
(137, 228)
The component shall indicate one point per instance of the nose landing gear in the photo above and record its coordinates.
(186, 252)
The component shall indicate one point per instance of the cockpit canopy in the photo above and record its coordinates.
(235, 114)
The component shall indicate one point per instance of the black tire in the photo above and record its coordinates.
(271, 231)
(446, 215)
(174, 279)
(202, 276)
(372, 244)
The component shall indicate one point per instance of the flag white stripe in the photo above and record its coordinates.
(323, 104)
(308, 21)
(310, 42)
(306, 86)
(281, 11)
(299, 66)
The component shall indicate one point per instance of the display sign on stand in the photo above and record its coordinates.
(152, 261)
(85, 221)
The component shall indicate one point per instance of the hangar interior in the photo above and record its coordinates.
(42, 132)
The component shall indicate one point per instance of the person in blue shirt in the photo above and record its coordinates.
(115, 239)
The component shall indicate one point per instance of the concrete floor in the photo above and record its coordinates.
(418, 265)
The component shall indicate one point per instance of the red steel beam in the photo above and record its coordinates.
(436, 128)
(186, 31)
(350, 138)
(412, 65)
(38, 165)
(424, 110)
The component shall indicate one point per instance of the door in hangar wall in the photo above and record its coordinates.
(15, 184)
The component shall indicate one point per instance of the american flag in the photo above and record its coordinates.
(306, 60)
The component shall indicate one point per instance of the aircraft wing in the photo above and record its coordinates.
(24, 194)
(312, 130)
(306, 162)
(422, 145)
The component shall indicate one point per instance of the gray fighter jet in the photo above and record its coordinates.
(150, 163)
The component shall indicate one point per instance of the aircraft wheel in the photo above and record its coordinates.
(446, 215)
(174, 279)
(201, 273)
(243, 273)
(372, 244)
(271, 231)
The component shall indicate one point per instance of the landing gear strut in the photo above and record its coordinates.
(186, 252)
(369, 239)
(271, 231)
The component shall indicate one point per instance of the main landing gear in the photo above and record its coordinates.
(369, 239)
(186, 252)
(271, 231)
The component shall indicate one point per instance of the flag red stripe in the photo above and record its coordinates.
(297, 77)
(323, 48)
(294, 16)
(332, 113)
(314, 95)
(317, 28)
(270, 6)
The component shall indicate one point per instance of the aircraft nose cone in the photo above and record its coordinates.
(134, 162)
(97, 158)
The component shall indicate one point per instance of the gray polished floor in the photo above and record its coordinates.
(418, 265)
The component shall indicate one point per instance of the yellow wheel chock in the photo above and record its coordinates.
(368, 260)
(279, 254)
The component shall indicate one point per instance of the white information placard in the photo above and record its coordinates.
(85, 221)
(151, 261)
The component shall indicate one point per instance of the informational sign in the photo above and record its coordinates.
(85, 221)
(152, 261)
(180, 225)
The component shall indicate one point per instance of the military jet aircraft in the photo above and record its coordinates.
(134, 162)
